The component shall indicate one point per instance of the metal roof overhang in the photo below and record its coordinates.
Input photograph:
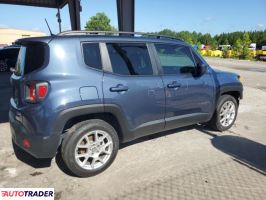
(38, 3)
(125, 10)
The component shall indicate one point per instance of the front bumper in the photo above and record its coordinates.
(40, 147)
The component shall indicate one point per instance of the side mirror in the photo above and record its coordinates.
(201, 69)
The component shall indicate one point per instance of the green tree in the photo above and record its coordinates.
(238, 47)
(168, 32)
(246, 54)
(213, 44)
(199, 46)
(99, 22)
(194, 37)
(226, 53)
(246, 39)
(186, 36)
(206, 39)
(226, 42)
(235, 38)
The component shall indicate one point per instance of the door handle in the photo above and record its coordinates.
(174, 85)
(119, 88)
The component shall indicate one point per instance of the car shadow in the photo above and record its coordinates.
(245, 151)
(5, 95)
(242, 150)
(156, 135)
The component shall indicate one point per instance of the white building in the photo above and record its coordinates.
(8, 35)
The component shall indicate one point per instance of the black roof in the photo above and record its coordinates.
(39, 3)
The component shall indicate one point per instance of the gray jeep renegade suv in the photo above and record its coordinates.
(82, 93)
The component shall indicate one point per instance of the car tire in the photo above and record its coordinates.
(218, 121)
(89, 147)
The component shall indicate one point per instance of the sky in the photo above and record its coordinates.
(206, 16)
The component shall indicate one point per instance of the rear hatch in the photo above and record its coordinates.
(32, 56)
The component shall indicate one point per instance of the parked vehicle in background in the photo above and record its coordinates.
(8, 57)
(261, 54)
(224, 47)
(253, 46)
(83, 93)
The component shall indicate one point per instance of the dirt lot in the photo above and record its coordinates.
(187, 163)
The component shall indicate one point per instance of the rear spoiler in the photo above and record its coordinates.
(34, 40)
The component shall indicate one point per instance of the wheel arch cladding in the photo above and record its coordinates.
(72, 116)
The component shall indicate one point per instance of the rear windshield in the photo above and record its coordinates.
(30, 58)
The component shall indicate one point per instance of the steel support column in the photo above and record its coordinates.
(74, 13)
(126, 15)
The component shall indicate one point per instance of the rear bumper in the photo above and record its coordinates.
(40, 147)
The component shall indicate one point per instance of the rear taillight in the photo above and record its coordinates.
(42, 89)
(35, 92)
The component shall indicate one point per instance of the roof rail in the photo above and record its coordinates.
(116, 33)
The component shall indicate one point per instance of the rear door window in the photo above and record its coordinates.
(92, 56)
(130, 58)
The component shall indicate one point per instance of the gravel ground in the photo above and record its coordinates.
(187, 163)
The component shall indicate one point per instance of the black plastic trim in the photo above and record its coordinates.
(70, 113)
(230, 87)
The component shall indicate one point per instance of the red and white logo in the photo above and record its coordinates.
(26, 193)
